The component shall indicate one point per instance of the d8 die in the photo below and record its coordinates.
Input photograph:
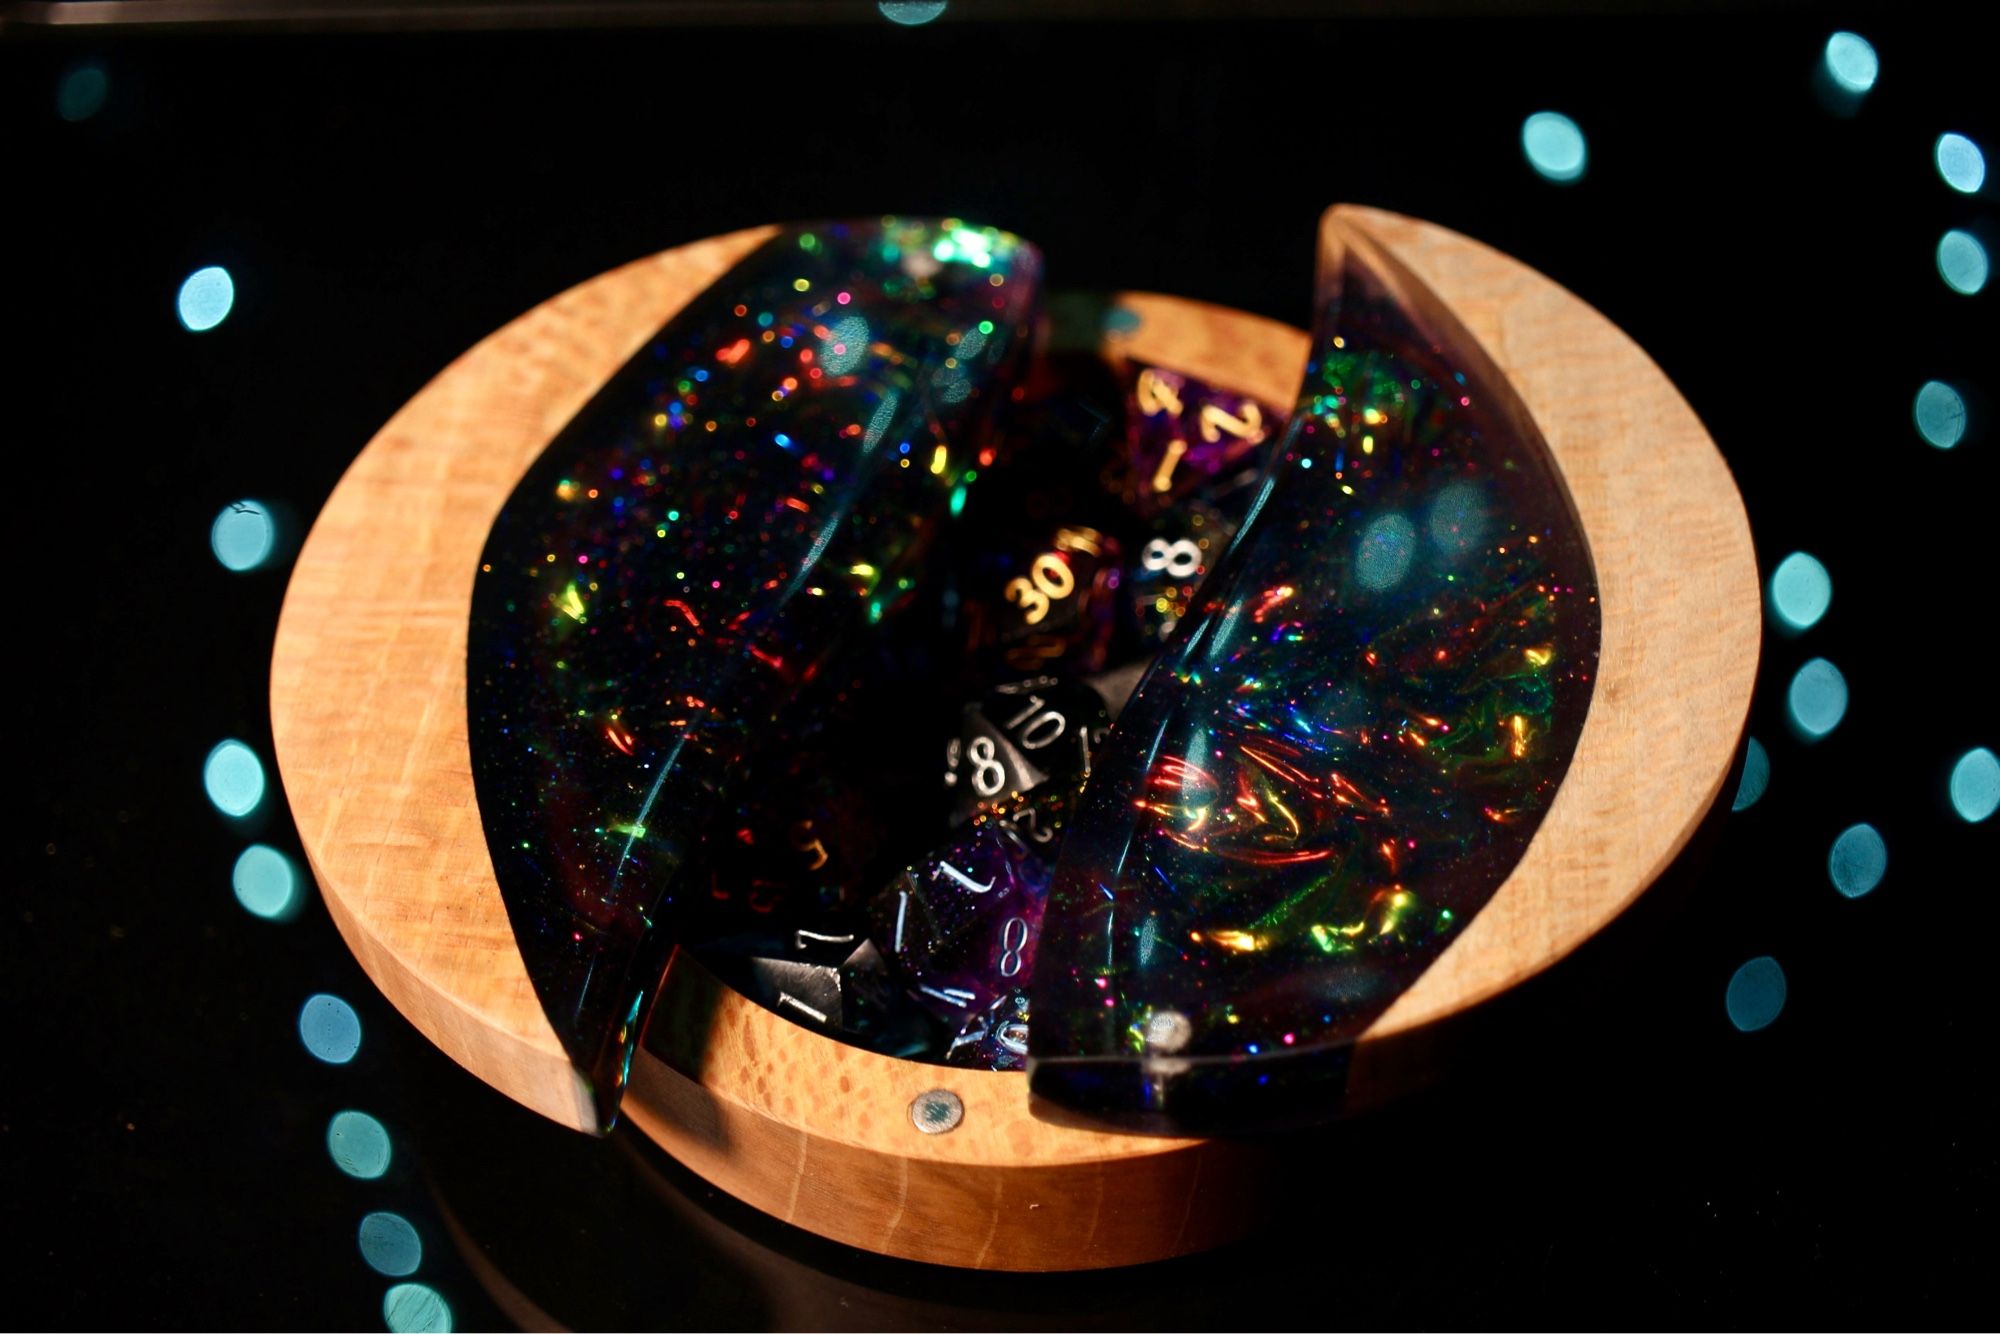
(1170, 568)
(960, 926)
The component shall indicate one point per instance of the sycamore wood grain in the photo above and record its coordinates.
(369, 713)
(819, 1134)
(1679, 601)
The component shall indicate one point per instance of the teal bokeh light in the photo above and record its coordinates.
(243, 536)
(234, 777)
(1756, 994)
(206, 298)
(1801, 591)
(910, 13)
(358, 1145)
(1458, 519)
(1554, 146)
(1975, 785)
(1858, 861)
(330, 1028)
(80, 94)
(844, 346)
(390, 1245)
(1382, 557)
(1940, 414)
(1817, 698)
(1961, 261)
(1961, 163)
(1756, 776)
(265, 883)
(1851, 62)
(416, 1308)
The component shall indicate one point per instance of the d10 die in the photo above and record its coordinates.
(1020, 737)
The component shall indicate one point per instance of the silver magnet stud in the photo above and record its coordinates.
(937, 1112)
(1168, 1031)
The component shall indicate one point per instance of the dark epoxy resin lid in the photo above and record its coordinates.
(1342, 752)
(739, 500)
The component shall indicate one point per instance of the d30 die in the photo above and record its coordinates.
(1184, 435)
(1048, 604)
(960, 926)
(995, 1039)
(1021, 736)
(1169, 569)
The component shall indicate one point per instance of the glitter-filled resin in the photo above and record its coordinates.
(1343, 750)
(756, 487)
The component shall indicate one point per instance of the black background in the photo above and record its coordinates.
(383, 200)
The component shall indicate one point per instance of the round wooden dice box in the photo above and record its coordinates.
(369, 718)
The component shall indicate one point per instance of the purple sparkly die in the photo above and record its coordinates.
(1185, 437)
(960, 926)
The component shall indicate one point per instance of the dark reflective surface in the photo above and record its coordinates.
(381, 204)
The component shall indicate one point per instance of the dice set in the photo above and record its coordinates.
(870, 894)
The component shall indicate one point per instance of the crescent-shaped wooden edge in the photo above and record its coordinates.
(369, 720)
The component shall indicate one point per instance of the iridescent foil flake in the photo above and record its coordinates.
(755, 488)
(1342, 751)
